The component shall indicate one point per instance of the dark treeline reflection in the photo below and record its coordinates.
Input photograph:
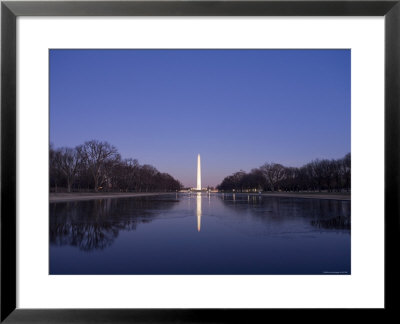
(319, 213)
(201, 233)
(339, 222)
(95, 224)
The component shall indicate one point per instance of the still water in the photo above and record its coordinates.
(200, 234)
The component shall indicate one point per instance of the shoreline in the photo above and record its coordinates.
(317, 195)
(303, 195)
(75, 196)
(64, 197)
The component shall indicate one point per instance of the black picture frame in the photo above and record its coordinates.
(10, 10)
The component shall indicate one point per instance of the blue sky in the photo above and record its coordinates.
(237, 108)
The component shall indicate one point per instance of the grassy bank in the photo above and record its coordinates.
(315, 195)
(61, 197)
(73, 196)
(310, 195)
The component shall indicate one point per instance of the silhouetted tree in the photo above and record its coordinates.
(316, 175)
(94, 155)
(67, 161)
(274, 173)
(98, 164)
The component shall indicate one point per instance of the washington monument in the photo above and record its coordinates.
(198, 173)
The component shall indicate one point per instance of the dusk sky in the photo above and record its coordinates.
(237, 108)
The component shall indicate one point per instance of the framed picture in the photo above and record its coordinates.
(227, 146)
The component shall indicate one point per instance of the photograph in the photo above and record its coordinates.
(199, 161)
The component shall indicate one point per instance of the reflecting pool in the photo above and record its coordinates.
(200, 234)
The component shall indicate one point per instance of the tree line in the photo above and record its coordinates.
(317, 175)
(97, 166)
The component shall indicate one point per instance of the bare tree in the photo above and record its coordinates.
(317, 172)
(326, 168)
(98, 164)
(147, 177)
(95, 154)
(53, 168)
(315, 175)
(347, 171)
(67, 161)
(274, 173)
(110, 171)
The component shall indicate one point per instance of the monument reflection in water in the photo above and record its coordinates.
(198, 196)
(198, 211)
(181, 234)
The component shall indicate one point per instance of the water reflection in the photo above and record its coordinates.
(338, 223)
(242, 234)
(319, 213)
(95, 224)
(198, 211)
